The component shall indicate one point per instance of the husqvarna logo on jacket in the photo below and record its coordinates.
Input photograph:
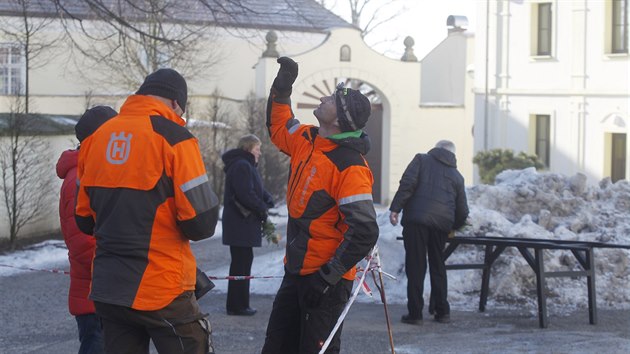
(118, 148)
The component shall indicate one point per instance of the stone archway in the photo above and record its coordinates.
(309, 100)
(394, 125)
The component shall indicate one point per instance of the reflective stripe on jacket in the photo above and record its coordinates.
(329, 196)
(144, 193)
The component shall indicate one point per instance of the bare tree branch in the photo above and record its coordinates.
(25, 188)
(367, 15)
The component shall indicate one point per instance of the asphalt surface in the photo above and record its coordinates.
(34, 319)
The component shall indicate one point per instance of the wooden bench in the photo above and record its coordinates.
(494, 246)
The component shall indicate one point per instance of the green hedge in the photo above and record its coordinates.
(493, 162)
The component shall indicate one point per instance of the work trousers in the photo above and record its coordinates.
(295, 328)
(90, 334)
(422, 242)
(238, 290)
(177, 328)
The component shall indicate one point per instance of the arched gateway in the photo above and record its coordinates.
(393, 87)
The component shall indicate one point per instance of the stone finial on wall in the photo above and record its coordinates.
(409, 56)
(271, 51)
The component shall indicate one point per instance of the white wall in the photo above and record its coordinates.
(408, 128)
(444, 73)
(578, 85)
(50, 222)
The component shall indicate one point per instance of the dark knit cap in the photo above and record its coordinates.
(91, 120)
(356, 111)
(166, 83)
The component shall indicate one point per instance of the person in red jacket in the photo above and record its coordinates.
(80, 246)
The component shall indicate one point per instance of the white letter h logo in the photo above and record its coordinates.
(118, 148)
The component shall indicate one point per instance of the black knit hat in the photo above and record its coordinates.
(91, 120)
(353, 109)
(166, 83)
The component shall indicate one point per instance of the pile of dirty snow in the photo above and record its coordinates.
(528, 204)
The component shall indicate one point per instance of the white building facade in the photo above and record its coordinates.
(409, 114)
(552, 79)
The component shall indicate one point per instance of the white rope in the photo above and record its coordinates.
(350, 302)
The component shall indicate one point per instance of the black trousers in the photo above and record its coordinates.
(422, 242)
(295, 328)
(178, 328)
(238, 290)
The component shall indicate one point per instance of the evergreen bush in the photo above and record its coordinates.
(492, 162)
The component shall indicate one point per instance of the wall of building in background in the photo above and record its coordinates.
(554, 85)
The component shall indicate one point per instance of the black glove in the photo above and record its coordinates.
(288, 72)
(316, 289)
(203, 284)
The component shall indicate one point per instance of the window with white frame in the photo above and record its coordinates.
(544, 29)
(11, 70)
(619, 28)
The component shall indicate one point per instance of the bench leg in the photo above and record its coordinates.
(485, 280)
(540, 288)
(590, 284)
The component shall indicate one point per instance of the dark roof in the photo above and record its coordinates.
(295, 15)
(41, 124)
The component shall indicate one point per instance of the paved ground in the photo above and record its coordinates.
(34, 319)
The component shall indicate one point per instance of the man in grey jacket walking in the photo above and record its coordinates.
(433, 198)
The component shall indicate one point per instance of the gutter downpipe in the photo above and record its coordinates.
(485, 104)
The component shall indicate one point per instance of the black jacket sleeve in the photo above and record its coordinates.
(461, 207)
(360, 238)
(241, 176)
(268, 199)
(408, 183)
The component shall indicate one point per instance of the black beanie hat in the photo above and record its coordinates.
(91, 120)
(166, 83)
(353, 109)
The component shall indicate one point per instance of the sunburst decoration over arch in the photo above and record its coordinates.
(310, 97)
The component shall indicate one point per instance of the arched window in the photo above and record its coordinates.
(344, 53)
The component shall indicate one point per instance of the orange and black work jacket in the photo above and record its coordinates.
(329, 196)
(144, 194)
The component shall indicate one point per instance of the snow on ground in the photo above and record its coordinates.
(522, 203)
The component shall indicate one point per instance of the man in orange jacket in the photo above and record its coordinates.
(144, 194)
(332, 222)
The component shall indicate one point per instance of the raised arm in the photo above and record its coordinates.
(281, 123)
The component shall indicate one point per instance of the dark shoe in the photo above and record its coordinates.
(446, 318)
(244, 312)
(411, 320)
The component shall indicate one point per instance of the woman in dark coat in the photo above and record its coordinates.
(245, 205)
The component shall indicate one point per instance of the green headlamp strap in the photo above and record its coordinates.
(341, 92)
